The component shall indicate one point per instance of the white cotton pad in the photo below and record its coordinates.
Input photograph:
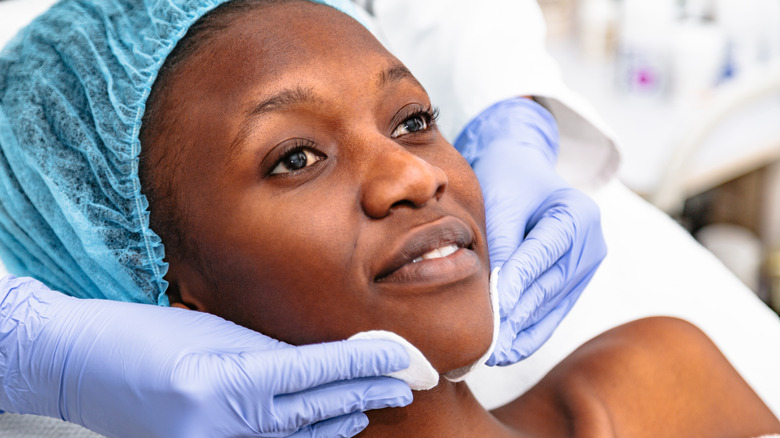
(460, 374)
(420, 375)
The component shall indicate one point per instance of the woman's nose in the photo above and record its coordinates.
(398, 178)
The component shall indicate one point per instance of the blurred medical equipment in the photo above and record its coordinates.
(706, 62)
(731, 110)
(738, 249)
(692, 89)
(677, 183)
(663, 47)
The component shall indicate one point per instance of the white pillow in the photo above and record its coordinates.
(15, 14)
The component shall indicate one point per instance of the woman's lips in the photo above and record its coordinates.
(439, 252)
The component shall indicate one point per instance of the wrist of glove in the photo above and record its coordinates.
(520, 122)
(31, 381)
(130, 370)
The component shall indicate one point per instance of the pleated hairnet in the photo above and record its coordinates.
(73, 88)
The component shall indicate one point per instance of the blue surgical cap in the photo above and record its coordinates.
(73, 88)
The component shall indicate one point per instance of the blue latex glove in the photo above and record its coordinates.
(545, 235)
(134, 370)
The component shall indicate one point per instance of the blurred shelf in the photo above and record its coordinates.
(682, 149)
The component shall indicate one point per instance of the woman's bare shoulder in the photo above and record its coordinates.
(655, 377)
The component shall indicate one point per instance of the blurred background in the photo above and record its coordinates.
(692, 90)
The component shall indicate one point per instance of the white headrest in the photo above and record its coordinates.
(15, 14)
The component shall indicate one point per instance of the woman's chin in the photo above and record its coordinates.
(462, 350)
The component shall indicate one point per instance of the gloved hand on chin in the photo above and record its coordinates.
(545, 235)
(135, 370)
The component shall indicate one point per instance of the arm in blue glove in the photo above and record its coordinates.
(133, 370)
(545, 235)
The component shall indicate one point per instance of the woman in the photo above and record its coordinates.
(265, 171)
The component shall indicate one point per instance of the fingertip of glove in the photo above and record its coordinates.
(344, 426)
(359, 422)
(498, 358)
(399, 395)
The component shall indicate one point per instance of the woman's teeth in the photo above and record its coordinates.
(437, 253)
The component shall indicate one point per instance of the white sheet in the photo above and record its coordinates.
(15, 14)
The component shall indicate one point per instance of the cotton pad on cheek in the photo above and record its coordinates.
(421, 375)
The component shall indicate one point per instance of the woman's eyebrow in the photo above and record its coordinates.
(297, 95)
(277, 102)
(283, 99)
(396, 73)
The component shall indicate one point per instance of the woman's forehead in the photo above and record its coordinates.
(291, 33)
(299, 44)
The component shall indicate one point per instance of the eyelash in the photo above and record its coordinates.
(299, 146)
(429, 114)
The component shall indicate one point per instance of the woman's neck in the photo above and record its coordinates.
(448, 410)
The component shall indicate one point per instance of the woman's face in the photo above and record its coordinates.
(318, 196)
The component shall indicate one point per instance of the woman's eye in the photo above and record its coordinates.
(413, 124)
(296, 160)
